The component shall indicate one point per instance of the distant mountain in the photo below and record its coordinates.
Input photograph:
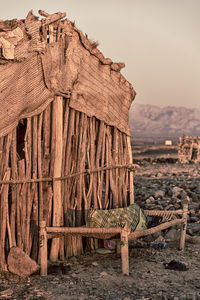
(170, 122)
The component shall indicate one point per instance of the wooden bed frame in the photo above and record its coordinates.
(121, 234)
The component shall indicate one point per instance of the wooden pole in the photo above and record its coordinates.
(40, 166)
(34, 191)
(7, 215)
(3, 219)
(57, 170)
(115, 162)
(21, 206)
(121, 172)
(43, 249)
(45, 163)
(28, 151)
(124, 250)
(102, 174)
(92, 160)
(184, 225)
(125, 175)
(131, 186)
(14, 187)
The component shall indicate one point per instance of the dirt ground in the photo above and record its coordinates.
(99, 276)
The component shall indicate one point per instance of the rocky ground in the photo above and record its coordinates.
(98, 276)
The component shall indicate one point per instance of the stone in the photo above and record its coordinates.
(157, 235)
(193, 240)
(160, 238)
(103, 273)
(194, 197)
(159, 175)
(176, 191)
(158, 194)
(194, 206)
(182, 195)
(150, 199)
(20, 263)
(194, 219)
(94, 263)
(172, 235)
(169, 191)
(195, 227)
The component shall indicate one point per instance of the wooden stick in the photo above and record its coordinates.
(112, 177)
(13, 187)
(68, 161)
(43, 13)
(73, 202)
(28, 151)
(184, 225)
(57, 203)
(3, 216)
(106, 201)
(98, 153)
(92, 160)
(21, 206)
(34, 191)
(83, 230)
(131, 184)
(125, 175)
(86, 172)
(6, 153)
(100, 192)
(65, 133)
(115, 162)
(43, 249)
(65, 164)
(121, 172)
(140, 233)
(41, 207)
(1, 152)
(81, 166)
(7, 215)
(124, 250)
(46, 163)
(89, 193)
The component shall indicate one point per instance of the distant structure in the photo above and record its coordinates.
(189, 149)
(168, 143)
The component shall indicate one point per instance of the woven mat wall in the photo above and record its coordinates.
(30, 81)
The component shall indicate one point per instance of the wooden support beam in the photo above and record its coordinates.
(57, 170)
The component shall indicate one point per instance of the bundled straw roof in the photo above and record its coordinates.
(33, 71)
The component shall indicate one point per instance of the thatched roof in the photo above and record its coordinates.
(33, 71)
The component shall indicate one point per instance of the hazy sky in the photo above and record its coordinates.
(159, 41)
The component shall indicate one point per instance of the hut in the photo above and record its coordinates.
(189, 149)
(64, 132)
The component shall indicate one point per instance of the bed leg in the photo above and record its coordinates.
(184, 225)
(124, 250)
(43, 249)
